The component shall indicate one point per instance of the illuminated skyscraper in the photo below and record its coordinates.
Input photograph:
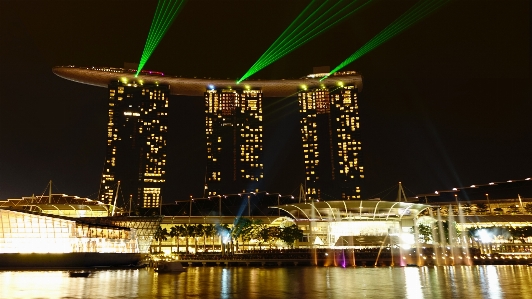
(234, 141)
(136, 143)
(330, 128)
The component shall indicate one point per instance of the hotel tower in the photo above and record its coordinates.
(330, 131)
(233, 121)
(136, 144)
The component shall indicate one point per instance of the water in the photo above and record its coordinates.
(272, 282)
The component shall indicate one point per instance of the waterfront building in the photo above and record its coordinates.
(330, 131)
(136, 143)
(57, 234)
(233, 121)
(36, 240)
(80, 210)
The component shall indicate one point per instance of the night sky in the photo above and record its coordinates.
(446, 103)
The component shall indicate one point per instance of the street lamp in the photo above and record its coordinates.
(489, 206)
(190, 209)
(249, 206)
(278, 203)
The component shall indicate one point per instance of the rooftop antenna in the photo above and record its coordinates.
(521, 203)
(401, 193)
(50, 192)
(130, 199)
(116, 197)
(302, 193)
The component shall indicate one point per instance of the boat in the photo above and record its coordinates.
(169, 267)
(79, 273)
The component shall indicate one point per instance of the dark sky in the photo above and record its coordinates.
(446, 103)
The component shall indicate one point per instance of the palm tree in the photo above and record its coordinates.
(175, 232)
(160, 235)
(210, 231)
(188, 232)
(199, 230)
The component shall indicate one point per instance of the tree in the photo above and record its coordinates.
(274, 233)
(240, 226)
(446, 229)
(521, 233)
(254, 232)
(199, 230)
(176, 231)
(466, 208)
(160, 235)
(210, 231)
(188, 232)
(482, 208)
(290, 234)
(425, 232)
(514, 208)
(249, 232)
(262, 234)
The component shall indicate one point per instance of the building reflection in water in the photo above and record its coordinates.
(225, 289)
(494, 287)
(474, 282)
(414, 289)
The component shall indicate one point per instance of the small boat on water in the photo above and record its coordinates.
(79, 273)
(169, 267)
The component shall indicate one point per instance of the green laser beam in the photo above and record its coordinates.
(163, 18)
(272, 55)
(163, 26)
(288, 31)
(302, 33)
(307, 37)
(157, 22)
(280, 40)
(298, 33)
(417, 12)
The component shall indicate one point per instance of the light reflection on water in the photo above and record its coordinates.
(492, 282)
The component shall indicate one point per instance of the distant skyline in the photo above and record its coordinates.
(445, 104)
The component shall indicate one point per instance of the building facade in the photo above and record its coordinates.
(233, 122)
(330, 131)
(136, 143)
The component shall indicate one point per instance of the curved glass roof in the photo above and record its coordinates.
(353, 210)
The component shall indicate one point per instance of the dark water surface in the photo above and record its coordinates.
(290, 282)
